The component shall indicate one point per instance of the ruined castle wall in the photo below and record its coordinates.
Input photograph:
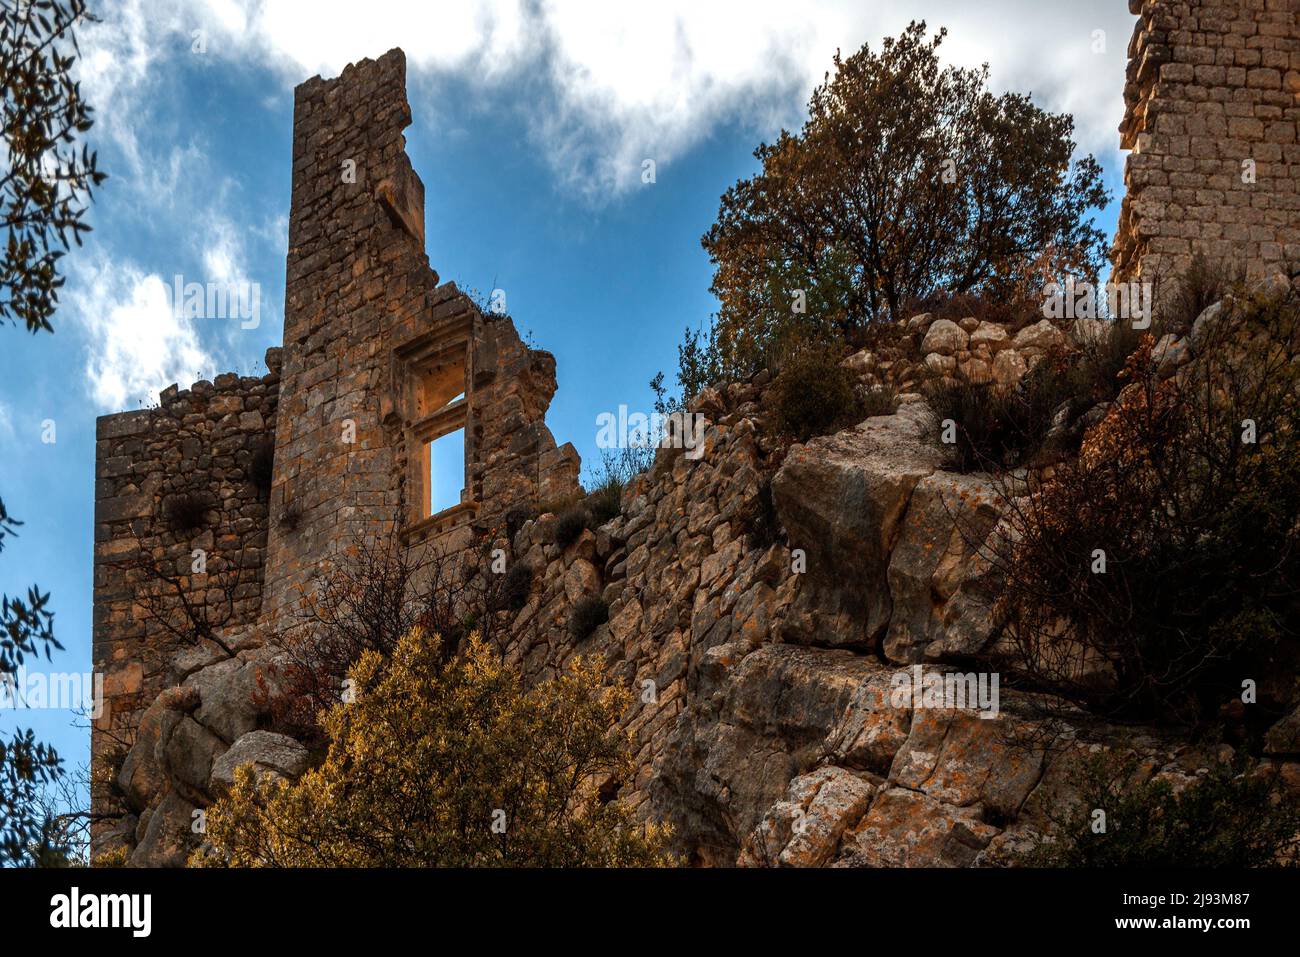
(732, 586)
(201, 445)
(353, 273)
(337, 423)
(363, 309)
(1212, 102)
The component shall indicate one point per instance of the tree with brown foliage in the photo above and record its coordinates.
(908, 178)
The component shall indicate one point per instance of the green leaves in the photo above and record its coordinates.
(25, 766)
(46, 190)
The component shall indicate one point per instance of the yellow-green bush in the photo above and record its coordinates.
(443, 762)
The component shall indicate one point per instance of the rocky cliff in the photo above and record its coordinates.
(766, 604)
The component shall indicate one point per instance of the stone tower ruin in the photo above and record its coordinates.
(1212, 110)
(379, 363)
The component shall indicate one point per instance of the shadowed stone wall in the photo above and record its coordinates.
(1212, 102)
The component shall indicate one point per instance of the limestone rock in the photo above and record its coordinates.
(269, 753)
(1008, 367)
(227, 694)
(189, 753)
(907, 829)
(841, 498)
(805, 829)
(935, 551)
(990, 335)
(944, 337)
(1042, 337)
(168, 836)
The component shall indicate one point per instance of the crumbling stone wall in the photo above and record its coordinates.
(203, 445)
(1212, 102)
(362, 304)
(364, 316)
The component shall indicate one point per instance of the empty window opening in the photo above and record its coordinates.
(437, 396)
(445, 468)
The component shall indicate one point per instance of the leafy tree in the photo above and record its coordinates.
(45, 192)
(443, 761)
(46, 189)
(26, 765)
(908, 178)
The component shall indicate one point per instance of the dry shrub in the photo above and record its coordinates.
(996, 427)
(373, 596)
(1153, 574)
(813, 394)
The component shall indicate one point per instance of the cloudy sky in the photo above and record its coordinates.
(531, 122)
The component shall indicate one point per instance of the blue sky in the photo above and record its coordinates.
(531, 121)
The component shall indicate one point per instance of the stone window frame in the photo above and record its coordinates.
(436, 347)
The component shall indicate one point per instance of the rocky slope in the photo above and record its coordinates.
(765, 604)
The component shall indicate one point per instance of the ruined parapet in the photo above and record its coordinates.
(380, 360)
(1212, 101)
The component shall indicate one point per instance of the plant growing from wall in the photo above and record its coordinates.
(1153, 573)
(588, 614)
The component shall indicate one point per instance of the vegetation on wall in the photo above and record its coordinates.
(908, 179)
(1231, 817)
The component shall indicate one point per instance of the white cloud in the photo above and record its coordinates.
(623, 82)
(6, 422)
(117, 62)
(135, 345)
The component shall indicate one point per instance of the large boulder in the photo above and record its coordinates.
(760, 720)
(143, 775)
(948, 518)
(989, 335)
(906, 829)
(1040, 338)
(804, 830)
(270, 754)
(1205, 323)
(841, 498)
(228, 693)
(188, 755)
(964, 758)
(168, 836)
(1009, 367)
